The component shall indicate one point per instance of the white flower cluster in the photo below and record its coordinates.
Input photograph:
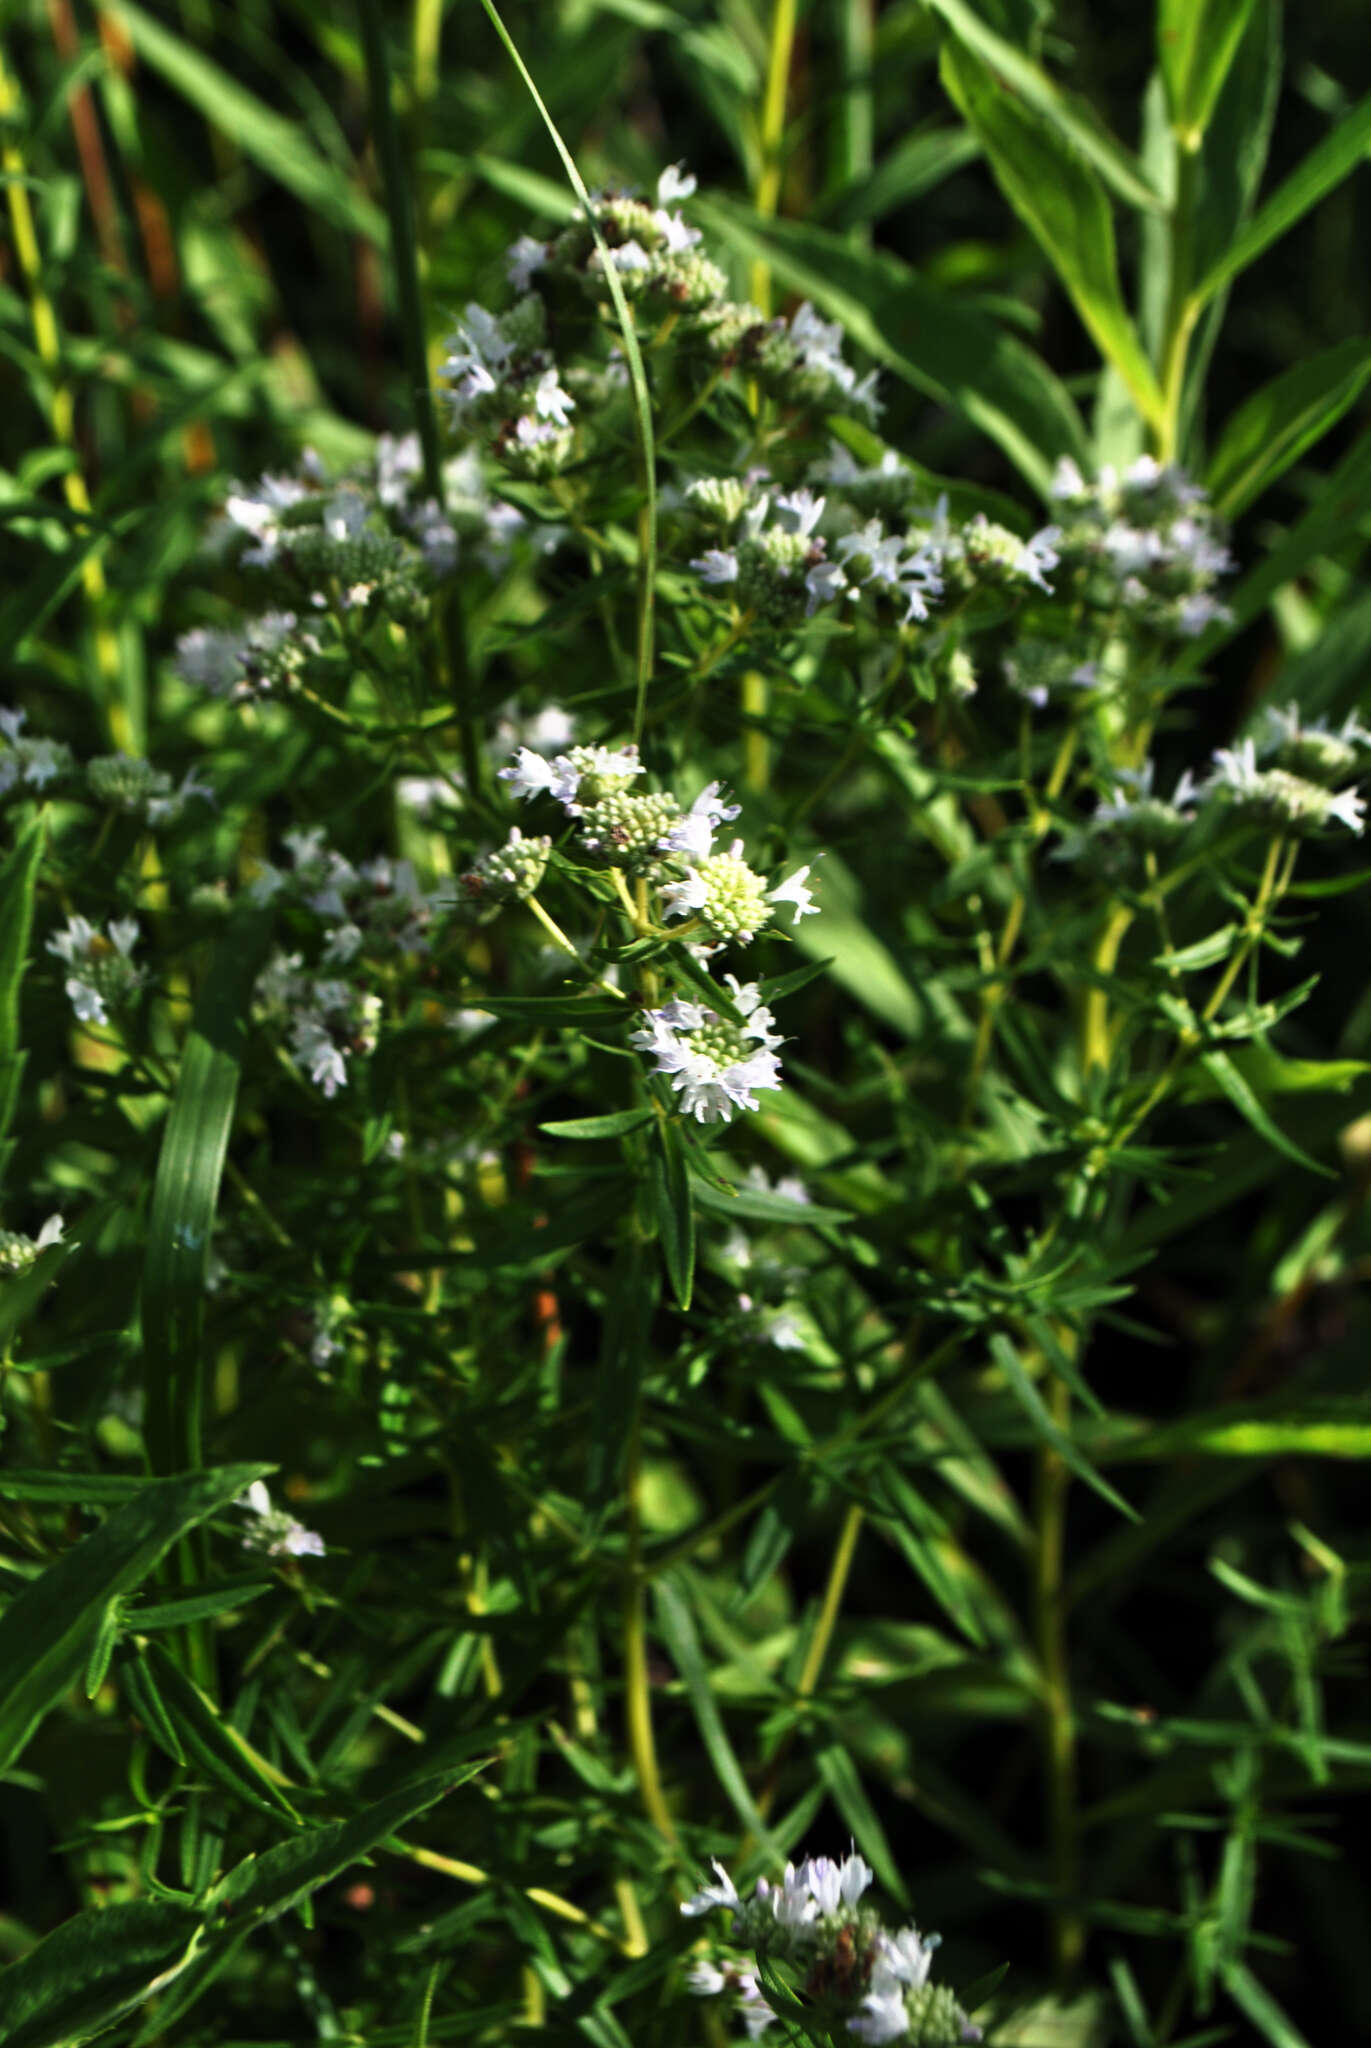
(778, 564)
(26, 763)
(272, 1531)
(714, 1063)
(1144, 542)
(1278, 796)
(505, 383)
(853, 1967)
(653, 836)
(326, 1020)
(471, 517)
(241, 662)
(376, 905)
(102, 973)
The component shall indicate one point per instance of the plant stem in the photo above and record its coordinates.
(1182, 310)
(838, 1574)
(637, 1694)
(1052, 1484)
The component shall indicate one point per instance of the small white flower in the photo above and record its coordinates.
(533, 433)
(906, 1956)
(714, 1064)
(51, 1233)
(550, 402)
(124, 932)
(675, 182)
(793, 891)
(529, 774)
(799, 511)
(722, 1893)
(823, 583)
(716, 565)
(883, 2016)
(273, 1531)
(694, 833)
(86, 1001)
(524, 259)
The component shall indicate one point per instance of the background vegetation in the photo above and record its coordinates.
(838, 1593)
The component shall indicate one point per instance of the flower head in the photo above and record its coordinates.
(715, 1064)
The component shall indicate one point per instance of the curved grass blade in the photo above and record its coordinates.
(1275, 425)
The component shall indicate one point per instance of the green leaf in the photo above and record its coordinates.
(46, 1632)
(208, 1740)
(1261, 2008)
(1341, 501)
(1325, 167)
(1275, 426)
(1057, 195)
(623, 1360)
(186, 1193)
(276, 143)
(1070, 1453)
(1244, 1099)
(18, 882)
(91, 1970)
(677, 1630)
(224, 1598)
(671, 1196)
(1197, 41)
(1329, 1428)
(918, 332)
(615, 1125)
(261, 1887)
(1074, 119)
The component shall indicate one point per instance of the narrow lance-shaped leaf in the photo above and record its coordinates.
(1197, 41)
(1276, 424)
(1075, 120)
(47, 1631)
(18, 881)
(678, 1633)
(1057, 195)
(91, 1970)
(186, 1193)
(671, 1195)
(1325, 167)
(1070, 1453)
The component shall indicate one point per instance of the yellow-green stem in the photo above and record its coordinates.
(61, 410)
(1095, 1023)
(838, 1574)
(756, 750)
(772, 132)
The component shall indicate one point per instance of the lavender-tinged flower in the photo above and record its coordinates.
(824, 583)
(799, 511)
(273, 1531)
(716, 565)
(694, 833)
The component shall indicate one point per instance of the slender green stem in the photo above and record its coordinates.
(637, 1694)
(1052, 1484)
(771, 135)
(637, 377)
(827, 1620)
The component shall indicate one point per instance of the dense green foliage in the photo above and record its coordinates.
(748, 1380)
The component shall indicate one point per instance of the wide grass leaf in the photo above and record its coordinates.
(91, 1970)
(46, 1633)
